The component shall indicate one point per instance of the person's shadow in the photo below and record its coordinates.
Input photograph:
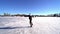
(14, 27)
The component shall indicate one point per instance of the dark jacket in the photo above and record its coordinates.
(30, 17)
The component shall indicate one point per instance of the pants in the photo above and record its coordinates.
(31, 22)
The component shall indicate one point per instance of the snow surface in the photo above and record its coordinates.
(20, 25)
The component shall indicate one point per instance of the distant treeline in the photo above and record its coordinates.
(24, 15)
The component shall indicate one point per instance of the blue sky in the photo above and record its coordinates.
(30, 6)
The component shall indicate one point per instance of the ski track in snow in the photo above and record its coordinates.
(20, 25)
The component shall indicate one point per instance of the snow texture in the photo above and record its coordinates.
(20, 25)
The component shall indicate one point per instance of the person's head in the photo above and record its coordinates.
(29, 13)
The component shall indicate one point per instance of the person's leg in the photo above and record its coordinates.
(31, 23)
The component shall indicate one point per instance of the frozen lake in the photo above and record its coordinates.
(20, 25)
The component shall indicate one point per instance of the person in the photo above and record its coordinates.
(30, 20)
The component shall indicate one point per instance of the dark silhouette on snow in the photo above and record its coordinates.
(14, 27)
(30, 20)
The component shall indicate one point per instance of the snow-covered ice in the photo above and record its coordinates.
(20, 25)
